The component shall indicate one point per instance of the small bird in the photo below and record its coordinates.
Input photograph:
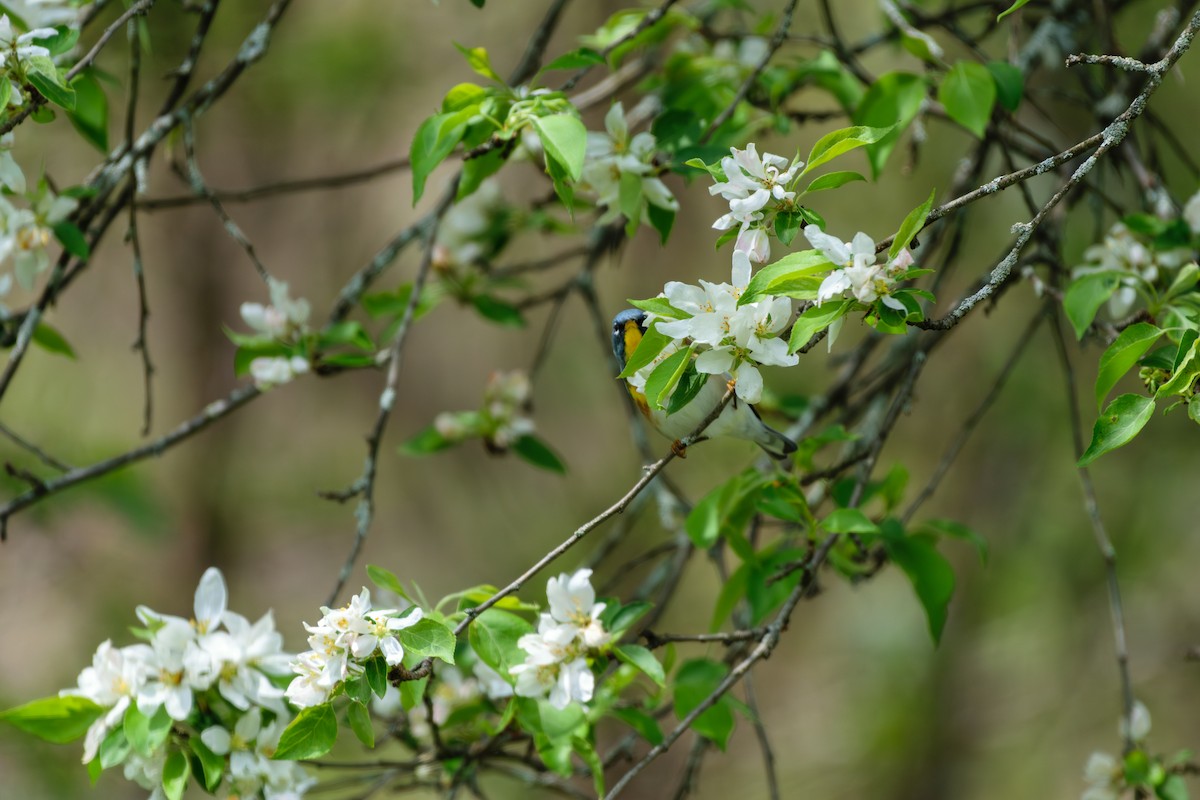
(738, 419)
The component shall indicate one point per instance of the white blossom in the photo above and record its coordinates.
(751, 183)
(856, 270)
(269, 372)
(1122, 251)
(283, 317)
(731, 338)
(556, 655)
(1191, 213)
(1103, 775)
(611, 155)
(343, 637)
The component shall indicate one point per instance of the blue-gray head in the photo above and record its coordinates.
(627, 329)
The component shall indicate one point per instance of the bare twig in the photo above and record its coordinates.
(1103, 543)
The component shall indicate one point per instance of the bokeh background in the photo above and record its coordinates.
(857, 700)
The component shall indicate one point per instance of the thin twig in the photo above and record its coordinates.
(781, 32)
(338, 181)
(142, 343)
(1092, 507)
(972, 421)
(211, 413)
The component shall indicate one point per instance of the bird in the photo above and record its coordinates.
(738, 419)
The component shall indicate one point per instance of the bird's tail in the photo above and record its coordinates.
(775, 443)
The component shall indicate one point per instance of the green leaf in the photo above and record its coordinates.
(690, 384)
(1117, 425)
(638, 656)
(695, 681)
(835, 143)
(116, 748)
(930, 573)
(646, 726)
(832, 180)
(849, 520)
(1084, 297)
(629, 196)
(375, 672)
(428, 440)
(660, 306)
(1173, 788)
(412, 693)
(146, 734)
(665, 376)
(212, 766)
(1184, 368)
(386, 579)
(311, 734)
(346, 333)
(360, 722)
(50, 340)
(893, 99)
(561, 723)
(538, 453)
(463, 95)
(911, 226)
(576, 59)
(435, 139)
(477, 58)
(55, 719)
(815, 320)
(565, 140)
(1011, 9)
(784, 275)
(493, 637)
(787, 225)
(662, 220)
(1121, 355)
(968, 92)
(72, 239)
(1010, 83)
(498, 311)
(956, 530)
(90, 116)
(175, 775)
(428, 639)
(623, 617)
(45, 78)
(587, 753)
(652, 343)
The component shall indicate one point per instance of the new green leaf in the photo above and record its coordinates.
(968, 93)
(1121, 355)
(311, 734)
(565, 140)
(1117, 425)
(428, 639)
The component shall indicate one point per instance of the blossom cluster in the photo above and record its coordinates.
(341, 641)
(729, 337)
(557, 655)
(501, 421)
(214, 673)
(757, 187)
(470, 232)
(284, 319)
(1104, 773)
(857, 271)
(614, 154)
(1143, 265)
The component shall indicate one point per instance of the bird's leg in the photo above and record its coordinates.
(679, 449)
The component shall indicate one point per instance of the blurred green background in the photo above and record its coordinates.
(857, 700)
